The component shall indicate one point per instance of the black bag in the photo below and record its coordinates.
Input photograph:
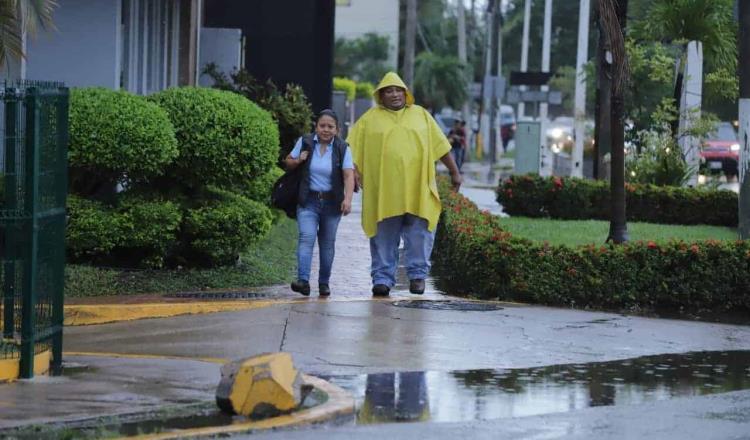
(286, 190)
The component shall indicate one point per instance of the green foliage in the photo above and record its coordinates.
(347, 86)
(270, 261)
(365, 90)
(116, 136)
(363, 58)
(216, 232)
(571, 198)
(659, 161)
(259, 189)
(473, 254)
(139, 232)
(291, 109)
(439, 81)
(223, 137)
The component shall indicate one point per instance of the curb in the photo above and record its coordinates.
(339, 404)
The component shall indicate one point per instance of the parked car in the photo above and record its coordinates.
(721, 150)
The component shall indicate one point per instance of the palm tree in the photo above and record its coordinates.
(19, 17)
(440, 81)
(612, 14)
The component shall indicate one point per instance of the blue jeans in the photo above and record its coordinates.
(458, 156)
(418, 242)
(317, 218)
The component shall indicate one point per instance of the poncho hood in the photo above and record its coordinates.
(392, 79)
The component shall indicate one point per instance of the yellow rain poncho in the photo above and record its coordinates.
(395, 152)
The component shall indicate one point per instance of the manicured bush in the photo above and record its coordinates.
(223, 137)
(347, 86)
(116, 135)
(260, 189)
(291, 109)
(571, 198)
(365, 90)
(473, 254)
(216, 232)
(139, 232)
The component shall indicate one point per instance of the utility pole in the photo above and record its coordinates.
(546, 166)
(580, 91)
(525, 50)
(410, 42)
(495, 42)
(465, 110)
(744, 117)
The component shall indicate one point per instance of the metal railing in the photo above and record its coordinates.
(32, 220)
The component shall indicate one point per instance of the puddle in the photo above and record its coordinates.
(495, 394)
(191, 416)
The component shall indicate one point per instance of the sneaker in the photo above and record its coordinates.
(302, 287)
(380, 290)
(324, 290)
(416, 286)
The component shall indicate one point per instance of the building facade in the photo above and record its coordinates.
(355, 18)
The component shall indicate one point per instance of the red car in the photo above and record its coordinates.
(721, 150)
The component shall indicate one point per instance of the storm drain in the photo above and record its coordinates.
(217, 295)
(461, 306)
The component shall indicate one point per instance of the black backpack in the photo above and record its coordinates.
(285, 191)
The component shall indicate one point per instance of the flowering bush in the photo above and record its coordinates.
(571, 198)
(473, 254)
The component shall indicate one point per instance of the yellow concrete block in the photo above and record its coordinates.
(260, 386)
(10, 369)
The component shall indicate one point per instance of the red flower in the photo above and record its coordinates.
(652, 245)
(694, 249)
(558, 182)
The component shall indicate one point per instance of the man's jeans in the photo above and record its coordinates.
(317, 218)
(418, 242)
(458, 156)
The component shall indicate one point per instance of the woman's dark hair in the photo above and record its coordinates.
(327, 112)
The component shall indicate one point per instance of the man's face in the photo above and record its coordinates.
(393, 98)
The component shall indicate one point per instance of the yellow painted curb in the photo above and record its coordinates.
(90, 314)
(144, 356)
(339, 403)
(10, 369)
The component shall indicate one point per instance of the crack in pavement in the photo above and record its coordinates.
(286, 324)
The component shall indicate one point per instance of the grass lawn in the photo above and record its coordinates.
(580, 232)
(271, 261)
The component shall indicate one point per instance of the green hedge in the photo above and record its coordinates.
(365, 90)
(473, 254)
(223, 137)
(114, 134)
(347, 86)
(216, 232)
(571, 198)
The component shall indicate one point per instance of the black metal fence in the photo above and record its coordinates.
(32, 220)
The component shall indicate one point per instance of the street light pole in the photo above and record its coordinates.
(580, 92)
(525, 49)
(744, 117)
(546, 166)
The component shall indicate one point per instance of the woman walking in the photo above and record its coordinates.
(325, 194)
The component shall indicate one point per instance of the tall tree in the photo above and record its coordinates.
(439, 81)
(613, 14)
(744, 116)
(410, 41)
(19, 17)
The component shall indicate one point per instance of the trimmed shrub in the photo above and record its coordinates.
(114, 134)
(290, 109)
(93, 230)
(345, 85)
(260, 189)
(216, 233)
(223, 137)
(365, 90)
(139, 233)
(473, 254)
(571, 198)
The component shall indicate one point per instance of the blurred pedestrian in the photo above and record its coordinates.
(457, 138)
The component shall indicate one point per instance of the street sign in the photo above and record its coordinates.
(514, 96)
(494, 86)
(529, 78)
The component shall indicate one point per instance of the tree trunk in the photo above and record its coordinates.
(462, 46)
(614, 21)
(410, 42)
(603, 109)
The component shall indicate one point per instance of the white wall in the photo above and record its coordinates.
(85, 48)
(363, 16)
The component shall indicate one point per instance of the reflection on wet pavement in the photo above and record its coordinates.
(493, 394)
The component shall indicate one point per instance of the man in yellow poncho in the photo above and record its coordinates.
(395, 146)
